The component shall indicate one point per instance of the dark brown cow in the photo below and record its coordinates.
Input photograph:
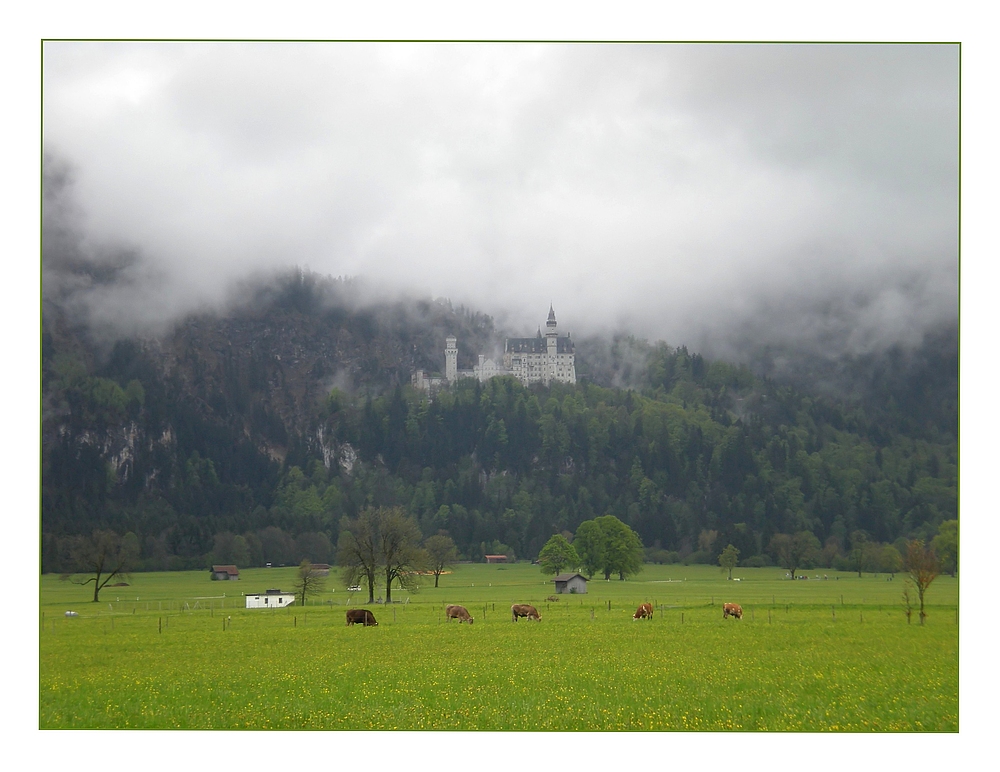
(645, 611)
(361, 616)
(461, 613)
(524, 610)
(732, 610)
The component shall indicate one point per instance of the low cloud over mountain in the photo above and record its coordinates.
(721, 196)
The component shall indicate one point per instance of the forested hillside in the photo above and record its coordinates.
(248, 435)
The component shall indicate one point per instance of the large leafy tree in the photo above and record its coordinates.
(728, 559)
(103, 556)
(622, 548)
(558, 555)
(589, 545)
(945, 546)
(890, 560)
(859, 544)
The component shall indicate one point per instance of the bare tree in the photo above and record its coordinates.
(907, 603)
(308, 581)
(102, 556)
(441, 553)
(795, 551)
(358, 550)
(922, 564)
(859, 540)
(399, 548)
(382, 540)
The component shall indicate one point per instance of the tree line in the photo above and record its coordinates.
(380, 547)
(702, 455)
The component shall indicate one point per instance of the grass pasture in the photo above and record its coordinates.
(808, 655)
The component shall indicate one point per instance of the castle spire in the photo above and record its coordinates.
(550, 325)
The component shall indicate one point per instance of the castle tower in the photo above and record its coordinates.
(451, 358)
(551, 345)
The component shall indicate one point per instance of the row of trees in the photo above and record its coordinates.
(803, 550)
(270, 545)
(921, 562)
(603, 545)
(382, 544)
(385, 545)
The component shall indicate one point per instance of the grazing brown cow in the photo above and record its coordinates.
(732, 610)
(524, 610)
(461, 613)
(645, 611)
(361, 616)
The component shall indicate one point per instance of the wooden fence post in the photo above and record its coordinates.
(159, 625)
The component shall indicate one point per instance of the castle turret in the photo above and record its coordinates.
(551, 346)
(451, 358)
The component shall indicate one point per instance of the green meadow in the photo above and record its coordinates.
(176, 650)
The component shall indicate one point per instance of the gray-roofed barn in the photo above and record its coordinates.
(571, 583)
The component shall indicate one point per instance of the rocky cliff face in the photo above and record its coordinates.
(242, 387)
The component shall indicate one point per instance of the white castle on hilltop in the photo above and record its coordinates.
(530, 360)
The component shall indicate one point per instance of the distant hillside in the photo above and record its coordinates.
(276, 418)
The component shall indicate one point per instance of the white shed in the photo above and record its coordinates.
(270, 599)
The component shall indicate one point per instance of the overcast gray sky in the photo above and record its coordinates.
(698, 194)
